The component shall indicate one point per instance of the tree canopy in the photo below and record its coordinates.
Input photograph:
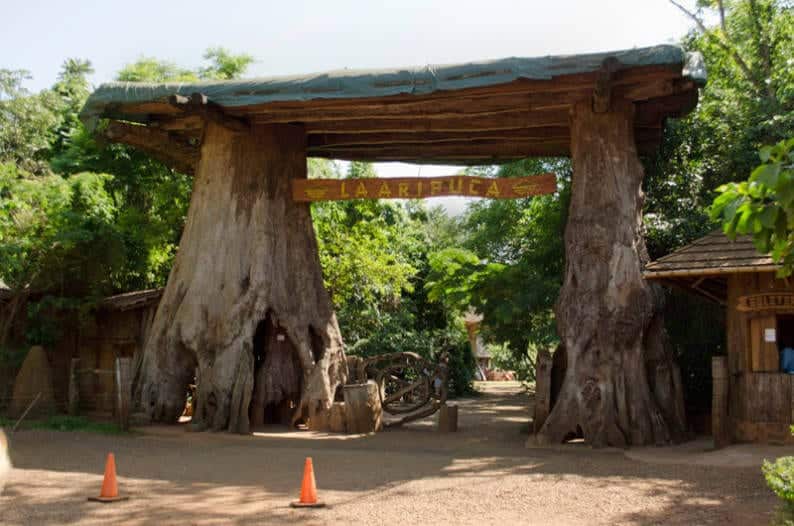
(81, 219)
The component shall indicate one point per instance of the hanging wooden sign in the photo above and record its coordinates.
(767, 301)
(306, 190)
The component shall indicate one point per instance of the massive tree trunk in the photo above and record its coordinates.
(621, 387)
(247, 275)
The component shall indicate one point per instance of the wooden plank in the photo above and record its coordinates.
(325, 140)
(74, 387)
(123, 376)
(481, 152)
(791, 398)
(458, 107)
(757, 344)
(174, 150)
(558, 135)
(198, 105)
(518, 118)
(719, 401)
(307, 190)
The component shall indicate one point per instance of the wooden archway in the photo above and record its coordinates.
(248, 247)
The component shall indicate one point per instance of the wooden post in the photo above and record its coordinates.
(719, 401)
(123, 391)
(363, 413)
(74, 387)
(337, 422)
(329, 420)
(542, 389)
(448, 418)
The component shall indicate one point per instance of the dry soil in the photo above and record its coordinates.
(481, 475)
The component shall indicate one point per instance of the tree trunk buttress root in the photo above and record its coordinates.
(621, 386)
(248, 254)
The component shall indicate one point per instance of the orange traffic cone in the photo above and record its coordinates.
(110, 488)
(308, 489)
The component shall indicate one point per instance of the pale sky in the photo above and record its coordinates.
(303, 36)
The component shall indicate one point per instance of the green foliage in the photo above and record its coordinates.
(27, 122)
(150, 69)
(374, 256)
(366, 249)
(763, 206)
(56, 232)
(510, 266)
(59, 241)
(747, 102)
(222, 65)
(779, 477)
(152, 199)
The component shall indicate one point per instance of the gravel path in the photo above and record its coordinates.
(480, 475)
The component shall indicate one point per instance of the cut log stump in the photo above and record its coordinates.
(448, 418)
(363, 412)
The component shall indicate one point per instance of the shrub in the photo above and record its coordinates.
(780, 478)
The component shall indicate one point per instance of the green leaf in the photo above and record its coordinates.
(764, 153)
(766, 174)
(768, 216)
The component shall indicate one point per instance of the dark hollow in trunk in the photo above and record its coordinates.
(621, 386)
(248, 253)
(277, 375)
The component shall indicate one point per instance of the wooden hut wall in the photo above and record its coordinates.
(112, 334)
(760, 395)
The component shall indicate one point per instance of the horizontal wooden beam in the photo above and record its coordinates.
(326, 140)
(482, 152)
(173, 150)
(199, 105)
(445, 108)
(502, 121)
(306, 190)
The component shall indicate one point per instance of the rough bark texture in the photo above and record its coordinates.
(620, 386)
(363, 412)
(248, 254)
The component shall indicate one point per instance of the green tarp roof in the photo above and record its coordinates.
(351, 84)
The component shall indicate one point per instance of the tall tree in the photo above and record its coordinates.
(747, 103)
(508, 242)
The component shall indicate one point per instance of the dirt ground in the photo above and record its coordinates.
(481, 475)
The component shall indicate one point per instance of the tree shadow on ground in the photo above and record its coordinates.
(214, 478)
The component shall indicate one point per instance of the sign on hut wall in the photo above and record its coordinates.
(767, 301)
(306, 190)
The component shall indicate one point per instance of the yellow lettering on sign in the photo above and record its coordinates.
(361, 190)
(473, 190)
(493, 190)
(402, 190)
(456, 186)
(315, 193)
(524, 189)
(343, 191)
(419, 189)
(435, 187)
(384, 190)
